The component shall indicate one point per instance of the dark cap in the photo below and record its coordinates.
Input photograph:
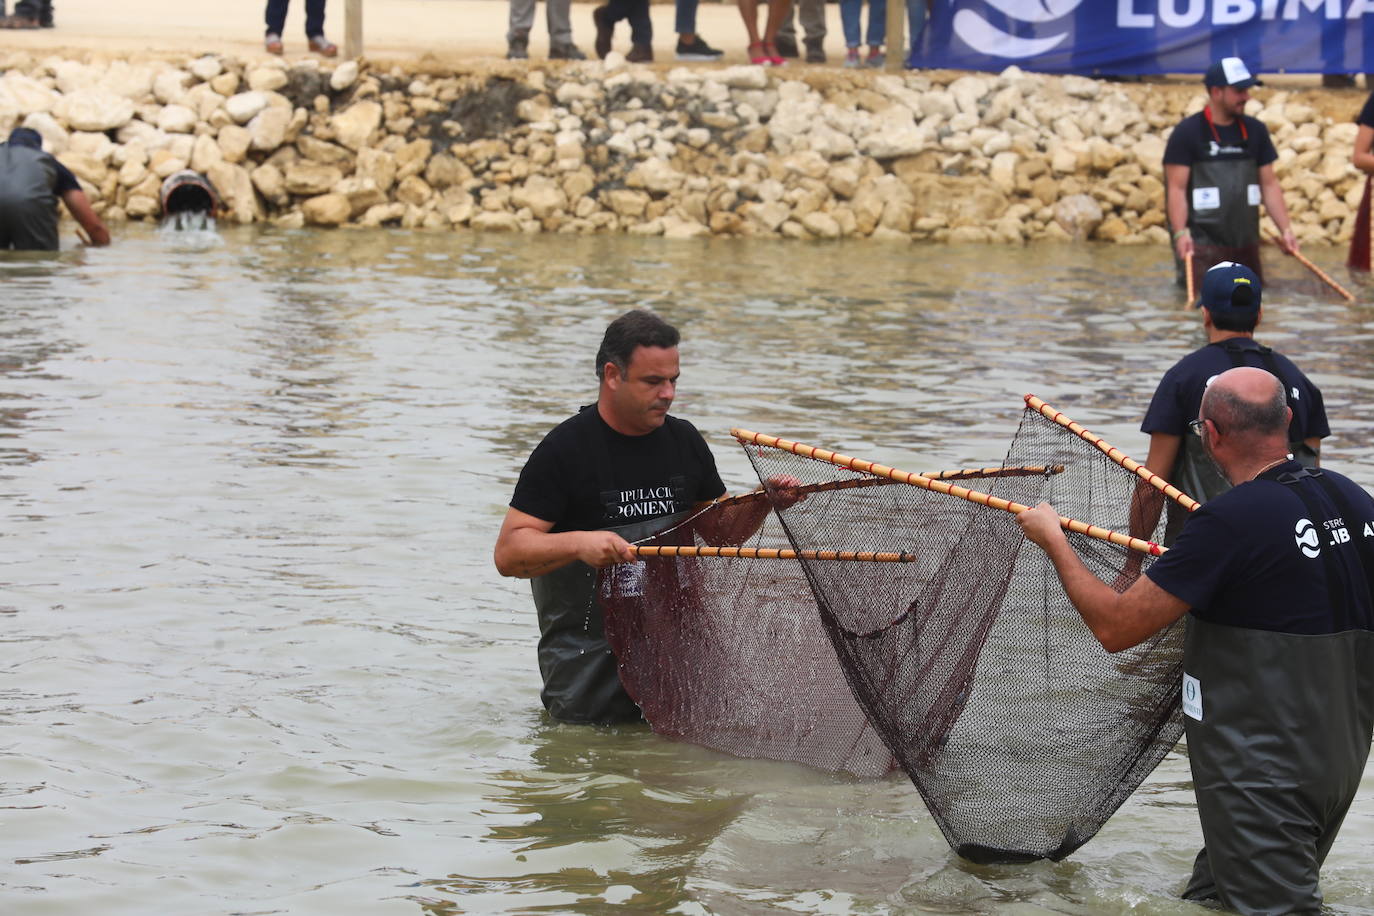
(1230, 71)
(26, 136)
(1230, 288)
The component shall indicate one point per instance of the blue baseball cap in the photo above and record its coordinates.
(1232, 288)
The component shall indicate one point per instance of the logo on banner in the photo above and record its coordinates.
(982, 36)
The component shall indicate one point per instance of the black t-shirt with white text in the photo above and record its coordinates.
(586, 476)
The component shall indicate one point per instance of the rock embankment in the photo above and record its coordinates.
(604, 147)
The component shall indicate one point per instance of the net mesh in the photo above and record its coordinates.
(969, 665)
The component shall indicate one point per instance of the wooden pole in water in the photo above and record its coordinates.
(1188, 272)
(770, 553)
(748, 437)
(353, 29)
(896, 43)
(1321, 274)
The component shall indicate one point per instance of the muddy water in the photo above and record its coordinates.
(254, 657)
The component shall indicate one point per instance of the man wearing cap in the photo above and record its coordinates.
(1218, 168)
(1275, 579)
(31, 182)
(1230, 307)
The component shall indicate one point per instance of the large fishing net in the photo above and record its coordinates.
(1022, 734)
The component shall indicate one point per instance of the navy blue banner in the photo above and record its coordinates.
(1121, 37)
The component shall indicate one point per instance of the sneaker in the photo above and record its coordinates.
(815, 54)
(851, 58)
(605, 30)
(697, 50)
(786, 45)
(518, 48)
(323, 46)
(640, 54)
(272, 42)
(876, 59)
(565, 50)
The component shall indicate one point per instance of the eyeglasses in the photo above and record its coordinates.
(1197, 425)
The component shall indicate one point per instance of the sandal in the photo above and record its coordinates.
(273, 43)
(323, 46)
(757, 55)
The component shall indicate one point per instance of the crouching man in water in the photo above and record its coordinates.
(621, 469)
(1278, 684)
(31, 182)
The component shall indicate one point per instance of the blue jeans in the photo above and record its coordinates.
(916, 21)
(851, 10)
(314, 17)
(685, 21)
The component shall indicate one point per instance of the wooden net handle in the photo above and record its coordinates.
(939, 486)
(769, 553)
(1321, 274)
(955, 474)
(1114, 453)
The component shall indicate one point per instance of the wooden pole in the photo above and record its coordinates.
(353, 29)
(1188, 272)
(956, 474)
(939, 486)
(1321, 274)
(896, 36)
(769, 553)
(1114, 453)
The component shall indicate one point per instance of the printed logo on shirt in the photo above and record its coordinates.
(1305, 533)
(641, 503)
(1192, 697)
(1339, 533)
(1215, 149)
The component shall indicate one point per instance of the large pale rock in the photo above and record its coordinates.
(96, 147)
(489, 221)
(25, 94)
(445, 171)
(378, 165)
(956, 200)
(356, 123)
(344, 75)
(268, 128)
(362, 193)
(822, 225)
(205, 68)
(625, 202)
(414, 191)
(55, 136)
(1002, 172)
(94, 109)
(170, 85)
(271, 183)
(656, 176)
(895, 134)
(176, 119)
(267, 79)
(311, 178)
(245, 106)
(234, 142)
(327, 210)
(142, 206)
(541, 195)
(322, 151)
(1079, 215)
(236, 191)
(205, 154)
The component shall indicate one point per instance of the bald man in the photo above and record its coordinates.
(1276, 577)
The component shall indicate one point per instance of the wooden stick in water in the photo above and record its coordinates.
(769, 553)
(939, 486)
(1321, 274)
(1188, 272)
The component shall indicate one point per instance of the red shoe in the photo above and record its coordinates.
(775, 59)
(757, 55)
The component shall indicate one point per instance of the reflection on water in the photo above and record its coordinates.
(256, 659)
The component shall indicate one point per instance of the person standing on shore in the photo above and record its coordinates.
(31, 183)
(28, 14)
(1275, 577)
(558, 18)
(605, 17)
(812, 16)
(690, 45)
(1218, 168)
(314, 27)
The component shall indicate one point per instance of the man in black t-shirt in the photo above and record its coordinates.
(1218, 168)
(31, 183)
(1276, 577)
(1230, 306)
(620, 469)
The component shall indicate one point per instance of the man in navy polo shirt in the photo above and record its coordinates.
(1230, 305)
(1275, 577)
(1218, 168)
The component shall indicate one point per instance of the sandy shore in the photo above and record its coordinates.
(404, 30)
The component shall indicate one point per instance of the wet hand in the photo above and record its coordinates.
(785, 490)
(603, 548)
(1289, 242)
(1040, 524)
